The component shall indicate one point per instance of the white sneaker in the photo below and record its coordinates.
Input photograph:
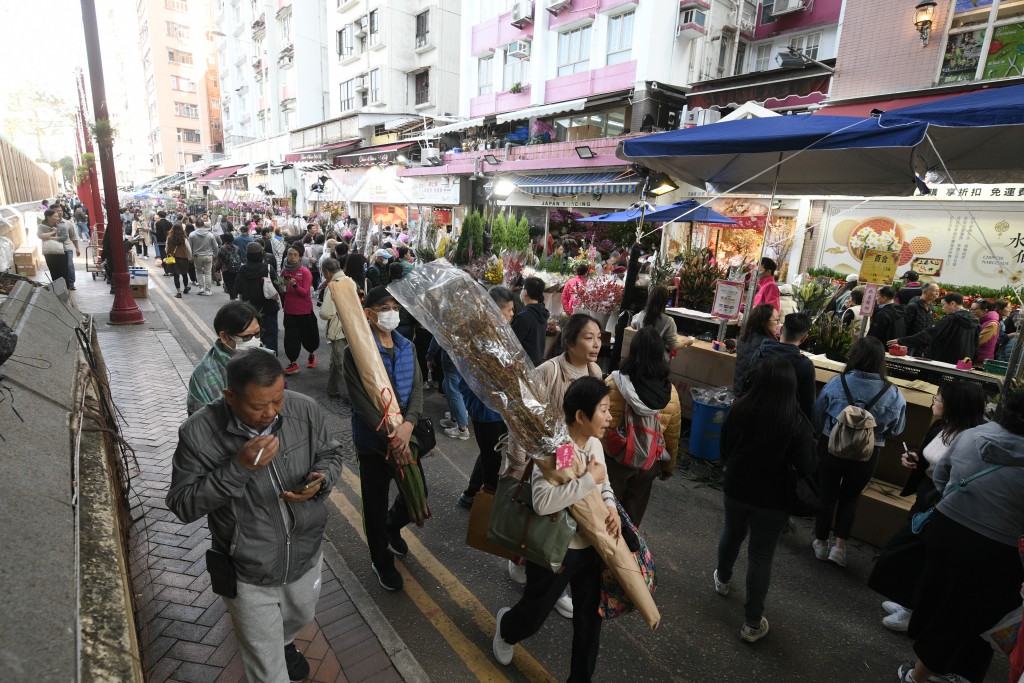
(820, 549)
(837, 555)
(890, 607)
(446, 423)
(751, 634)
(564, 606)
(517, 572)
(503, 652)
(899, 620)
(722, 588)
(458, 433)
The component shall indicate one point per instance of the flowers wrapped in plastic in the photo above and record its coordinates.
(377, 384)
(470, 327)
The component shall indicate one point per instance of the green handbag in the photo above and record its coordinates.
(515, 527)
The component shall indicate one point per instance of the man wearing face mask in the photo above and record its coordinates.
(237, 325)
(383, 525)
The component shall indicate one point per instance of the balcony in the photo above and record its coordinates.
(284, 8)
(691, 30)
(259, 27)
(346, 5)
(499, 102)
(286, 56)
(687, 4)
(257, 64)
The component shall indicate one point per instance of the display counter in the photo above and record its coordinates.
(698, 323)
(881, 511)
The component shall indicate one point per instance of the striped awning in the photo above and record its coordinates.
(607, 182)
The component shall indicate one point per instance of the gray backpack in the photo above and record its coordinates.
(853, 435)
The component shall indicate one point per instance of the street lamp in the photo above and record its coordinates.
(924, 14)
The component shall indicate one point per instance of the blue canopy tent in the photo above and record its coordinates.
(689, 211)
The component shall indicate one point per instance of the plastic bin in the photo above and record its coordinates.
(706, 430)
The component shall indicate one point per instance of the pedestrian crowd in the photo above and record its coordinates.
(258, 459)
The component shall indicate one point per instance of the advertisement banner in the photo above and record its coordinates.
(941, 243)
(728, 296)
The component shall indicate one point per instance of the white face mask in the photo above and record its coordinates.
(387, 320)
(240, 345)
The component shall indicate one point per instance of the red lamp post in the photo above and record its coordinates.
(124, 311)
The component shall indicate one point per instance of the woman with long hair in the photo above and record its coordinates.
(177, 247)
(897, 573)
(972, 569)
(643, 385)
(764, 433)
(763, 323)
(654, 315)
(862, 383)
(355, 268)
(301, 329)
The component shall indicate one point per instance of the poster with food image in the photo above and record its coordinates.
(941, 244)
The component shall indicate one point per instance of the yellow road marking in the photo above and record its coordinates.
(184, 312)
(459, 594)
(478, 664)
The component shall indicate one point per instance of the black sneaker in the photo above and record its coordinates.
(389, 579)
(465, 502)
(396, 544)
(298, 667)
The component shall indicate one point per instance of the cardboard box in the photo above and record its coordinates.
(881, 512)
(25, 256)
(26, 269)
(140, 291)
(139, 276)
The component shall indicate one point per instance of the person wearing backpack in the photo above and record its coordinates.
(756, 481)
(644, 437)
(854, 414)
(229, 260)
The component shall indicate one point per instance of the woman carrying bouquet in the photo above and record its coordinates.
(586, 409)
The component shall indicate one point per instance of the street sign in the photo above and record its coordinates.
(867, 306)
(728, 296)
(879, 266)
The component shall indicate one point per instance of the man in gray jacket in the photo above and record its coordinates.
(204, 246)
(251, 461)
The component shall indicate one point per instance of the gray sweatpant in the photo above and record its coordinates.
(336, 376)
(266, 618)
(204, 272)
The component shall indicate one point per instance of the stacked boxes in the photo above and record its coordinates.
(139, 282)
(25, 261)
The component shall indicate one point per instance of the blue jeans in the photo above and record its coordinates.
(454, 396)
(765, 527)
(71, 268)
(83, 230)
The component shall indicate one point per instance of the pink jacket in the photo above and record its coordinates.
(296, 297)
(768, 293)
(987, 348)
(569, 294)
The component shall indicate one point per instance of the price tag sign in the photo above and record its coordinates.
(728, 296)
(879, 266)
(867, 306)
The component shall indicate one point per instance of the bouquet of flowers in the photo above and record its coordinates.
(601, 294)
(581, 258)
(514, 267)
(493, 272)
(868, 238)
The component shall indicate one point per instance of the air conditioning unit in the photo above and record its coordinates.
(746, 26)
(555, 5)
(701, 117)
(430, 156)
(522, 13)
(787, 6)
(360, 27)
(519, 48)
(361, 84)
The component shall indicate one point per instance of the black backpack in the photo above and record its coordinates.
(232, 258)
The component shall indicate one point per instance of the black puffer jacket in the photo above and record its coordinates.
(530, 326)
(918, 316)
(888, 323)
(953, 338)
(249, 287)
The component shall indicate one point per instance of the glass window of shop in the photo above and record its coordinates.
(985, 41)
(604, 124)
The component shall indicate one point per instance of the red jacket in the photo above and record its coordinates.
(768, 293)
(296, 297)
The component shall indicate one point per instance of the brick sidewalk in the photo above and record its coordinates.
(186, 634)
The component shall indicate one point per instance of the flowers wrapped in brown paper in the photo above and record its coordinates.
(374, 378)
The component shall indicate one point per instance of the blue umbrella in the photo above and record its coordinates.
(631, 214)
(689, 211)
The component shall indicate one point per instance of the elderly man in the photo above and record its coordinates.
(919, 313)
(259, 463)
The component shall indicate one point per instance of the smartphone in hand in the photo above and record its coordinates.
(307, 485)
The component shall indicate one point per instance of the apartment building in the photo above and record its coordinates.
(179, 72)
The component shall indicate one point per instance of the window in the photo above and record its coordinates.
(186, 84)
(807, 44)
(188, 135)
(574, 51)
(196, 157)
(423, 29)
(620, 38)
(179, 57)
(588, 126)
(176, 5)
(373, 81)
(186, 109)
(374, 27)
(741, 57)
(485, 76)
(766, 11)
(693, 15)
(286, 119)
(348, 95)
(177, 31)
(422, 87)
(345, 46)
(516, 70)
(158, 159)
(983, 42)
(762, 57)
(285, 24)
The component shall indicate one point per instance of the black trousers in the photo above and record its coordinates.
(180, 269)
(229, 283)
(57, 264)
(582, 571)
(375, 475)
(300, 331)
(488, 462)
(840, 483)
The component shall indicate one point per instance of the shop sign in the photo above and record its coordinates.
(728, 296)
(1005, 192)
(614, 202)
(941, 242)
(878, 267)
(383, 188)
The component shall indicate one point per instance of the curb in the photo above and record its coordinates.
(402, 658)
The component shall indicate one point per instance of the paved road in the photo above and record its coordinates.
(825, 624)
